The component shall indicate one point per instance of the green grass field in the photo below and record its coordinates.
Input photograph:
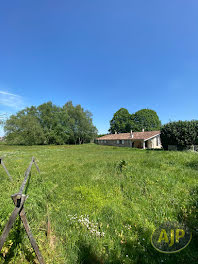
(98, 204)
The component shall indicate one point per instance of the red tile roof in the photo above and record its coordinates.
(136, 135)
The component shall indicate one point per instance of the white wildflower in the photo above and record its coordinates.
(90, 225)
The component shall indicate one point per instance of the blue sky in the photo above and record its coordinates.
(103, 55)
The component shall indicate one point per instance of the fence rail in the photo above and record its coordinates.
(3, 165)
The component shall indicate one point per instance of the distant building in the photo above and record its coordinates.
(2, 138)
(144, 140)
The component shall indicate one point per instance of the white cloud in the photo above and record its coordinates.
(3, 117)
(11, 100)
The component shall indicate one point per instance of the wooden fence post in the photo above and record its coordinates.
(19, 200)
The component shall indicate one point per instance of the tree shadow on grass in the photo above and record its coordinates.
(143, 252)
(86, 254)
(192, 165)
(135, 252)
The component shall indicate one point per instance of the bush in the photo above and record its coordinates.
(181, 133)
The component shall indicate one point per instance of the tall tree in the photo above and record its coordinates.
(146, 119)
(54, 122)
(80, 123)
(121, 122)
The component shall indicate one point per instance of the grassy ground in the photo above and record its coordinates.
(98, 204)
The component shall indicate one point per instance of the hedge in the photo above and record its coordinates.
(180, 133)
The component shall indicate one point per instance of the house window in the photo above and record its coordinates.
(105, 141)
(117, 141)
(122, 142)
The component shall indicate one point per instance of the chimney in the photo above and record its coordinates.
(142, 129)
(115, 132)
(131, 134)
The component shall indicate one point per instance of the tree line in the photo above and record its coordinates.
(69, 124)
(50, 124)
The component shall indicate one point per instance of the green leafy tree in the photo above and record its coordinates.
(24, 129)
(121, 122)
(50, 124)
(54, 122)
(80, 124)
(146, 119)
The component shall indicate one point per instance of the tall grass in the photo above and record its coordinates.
(98, 204)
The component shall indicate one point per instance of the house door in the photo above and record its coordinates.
(132, 145)
(146, 144)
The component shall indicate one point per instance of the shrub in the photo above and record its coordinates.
(181, 133)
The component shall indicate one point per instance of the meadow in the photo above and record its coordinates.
(98, 204)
